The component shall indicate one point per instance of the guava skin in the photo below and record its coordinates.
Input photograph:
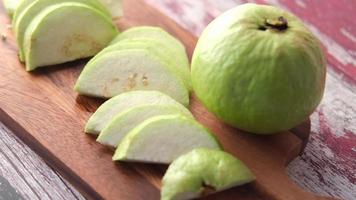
(259, 69)
(187, 175)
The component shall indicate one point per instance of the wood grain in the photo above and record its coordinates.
(45, 113)
(28, 173)
(327, 166)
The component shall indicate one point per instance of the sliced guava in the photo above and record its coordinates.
(155, 33)
(31, 11)
(114, 6)
(11, 5)
(132, 69)
(23, 4)
(188, 174)
(162, 139)
(53, 39)
(157, 47)
(120, 103)
(124, 122)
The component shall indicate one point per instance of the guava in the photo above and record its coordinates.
(159, 48)
(153, 32)
(52, 39)
(114, 6)
(26, 17)
(123, 102)
(163, 138)
(189, 173)
(130, 69)
(10, 6)
(22, 5)
(258, 68)
(124, 122)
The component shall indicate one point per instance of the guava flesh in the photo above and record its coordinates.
(126, 70)
(155, 33)
(258, 68)
(10, 6)
(124, 122)
(162, 139)
(187, 176)
(123, 102)
(23, 4)
(151, 32)
(26, 17)
(52, 39)
(158, 48)
(114, 6)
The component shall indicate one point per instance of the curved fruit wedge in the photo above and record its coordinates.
(157, 48)
(114, 6)
(25, 18)
(53, 39)
(163, 138)
(124, 122)
(156, 33)
(187, 175)
(11, 5)
(22, 5)
(120, 103)
(121, 71)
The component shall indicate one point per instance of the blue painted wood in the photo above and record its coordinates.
(24, 174)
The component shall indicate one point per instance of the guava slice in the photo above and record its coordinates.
(31, 11)
(10, 6)
(120, 103)
(124, 122)
(20, 7)
(156, 33)
(162, 139)
(53, 39)
(114, 6)
(157, 47)
(132, 69)
(188, 174)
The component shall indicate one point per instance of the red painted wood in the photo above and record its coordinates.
(44, 111)
(336, 20)
(328, 165)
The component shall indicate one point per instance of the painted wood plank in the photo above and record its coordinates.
(328, 164)
(48, 115)
(28, 173)
(308, 182)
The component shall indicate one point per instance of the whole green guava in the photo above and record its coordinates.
(258, 68)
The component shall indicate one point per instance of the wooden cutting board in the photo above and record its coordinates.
(44, 111)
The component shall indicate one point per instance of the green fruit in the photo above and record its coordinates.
(23, 4)
(162, 139)
(156, 33)
(266, 69)
(114, 6)
(11, 5)
(24, 20)
(132, 69)
(120, 103)
(53, 39)
(150, 32)
(188, 174)
(124, 122)
(158, 48)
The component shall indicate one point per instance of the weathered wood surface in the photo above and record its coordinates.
(312, 160)
(328, 165)
(28, 173)
(47, 114)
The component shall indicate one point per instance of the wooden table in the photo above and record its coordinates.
(328, 165)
